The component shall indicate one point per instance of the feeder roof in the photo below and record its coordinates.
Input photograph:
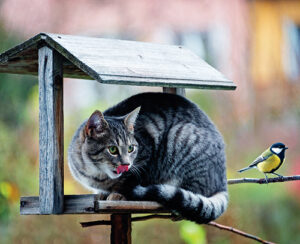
(120, 62)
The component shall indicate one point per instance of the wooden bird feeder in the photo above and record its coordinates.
(54, 56)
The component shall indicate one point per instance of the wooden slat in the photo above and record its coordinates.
(29, 205)
(127, 207)
(121, 62)
(51, 134)
(88, 204)
(137, 60)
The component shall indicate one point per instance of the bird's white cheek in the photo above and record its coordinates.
(277, 150)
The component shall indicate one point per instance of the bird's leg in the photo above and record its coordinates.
(277, 174)
(266, 178)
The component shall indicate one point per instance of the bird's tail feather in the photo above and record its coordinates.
(244, 169)
(189, 205)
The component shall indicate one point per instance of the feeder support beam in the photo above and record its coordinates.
(178, 91)
(51, 133)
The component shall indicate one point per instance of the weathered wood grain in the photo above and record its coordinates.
(120, 229)
(120, 62)
(178, 91)
(51, 134)
(29, 205)
(88, 204)
(27, 63)
(127, 207)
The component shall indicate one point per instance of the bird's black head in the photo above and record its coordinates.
(278, 148)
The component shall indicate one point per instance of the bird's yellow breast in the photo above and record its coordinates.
(270, 164)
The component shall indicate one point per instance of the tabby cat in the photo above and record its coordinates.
(157, 147)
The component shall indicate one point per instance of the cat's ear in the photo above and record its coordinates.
(96, 125)
(130, 119)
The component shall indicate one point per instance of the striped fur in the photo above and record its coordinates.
(179, 159)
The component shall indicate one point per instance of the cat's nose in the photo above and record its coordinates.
(125, 160)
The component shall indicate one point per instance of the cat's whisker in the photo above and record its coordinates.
(135, 167)
(136, 171)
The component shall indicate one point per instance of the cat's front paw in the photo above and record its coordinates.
(101, 196)
(115, 197)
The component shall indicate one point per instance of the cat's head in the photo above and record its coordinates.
(109, 143)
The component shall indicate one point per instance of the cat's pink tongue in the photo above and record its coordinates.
(122, 168)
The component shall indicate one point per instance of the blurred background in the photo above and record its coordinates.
(254, 43)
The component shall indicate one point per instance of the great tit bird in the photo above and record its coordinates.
(269, 161)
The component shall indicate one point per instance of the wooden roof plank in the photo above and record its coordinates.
(167, 83)
(118, 62)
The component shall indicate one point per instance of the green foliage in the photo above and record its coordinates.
(14, 89)
(15, 165)
(156, 231)
(14, 92)
(204, 100)
(192, 233)
(4, 208)
(267, 211)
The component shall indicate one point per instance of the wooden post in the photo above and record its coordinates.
(51, 134)
(120, 229)
(178, 91)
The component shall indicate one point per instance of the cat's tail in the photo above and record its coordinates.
(189, 205)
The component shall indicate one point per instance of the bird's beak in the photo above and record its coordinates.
(286, 148)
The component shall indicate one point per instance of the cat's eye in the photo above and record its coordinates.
(113, 150)
(130, 149)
